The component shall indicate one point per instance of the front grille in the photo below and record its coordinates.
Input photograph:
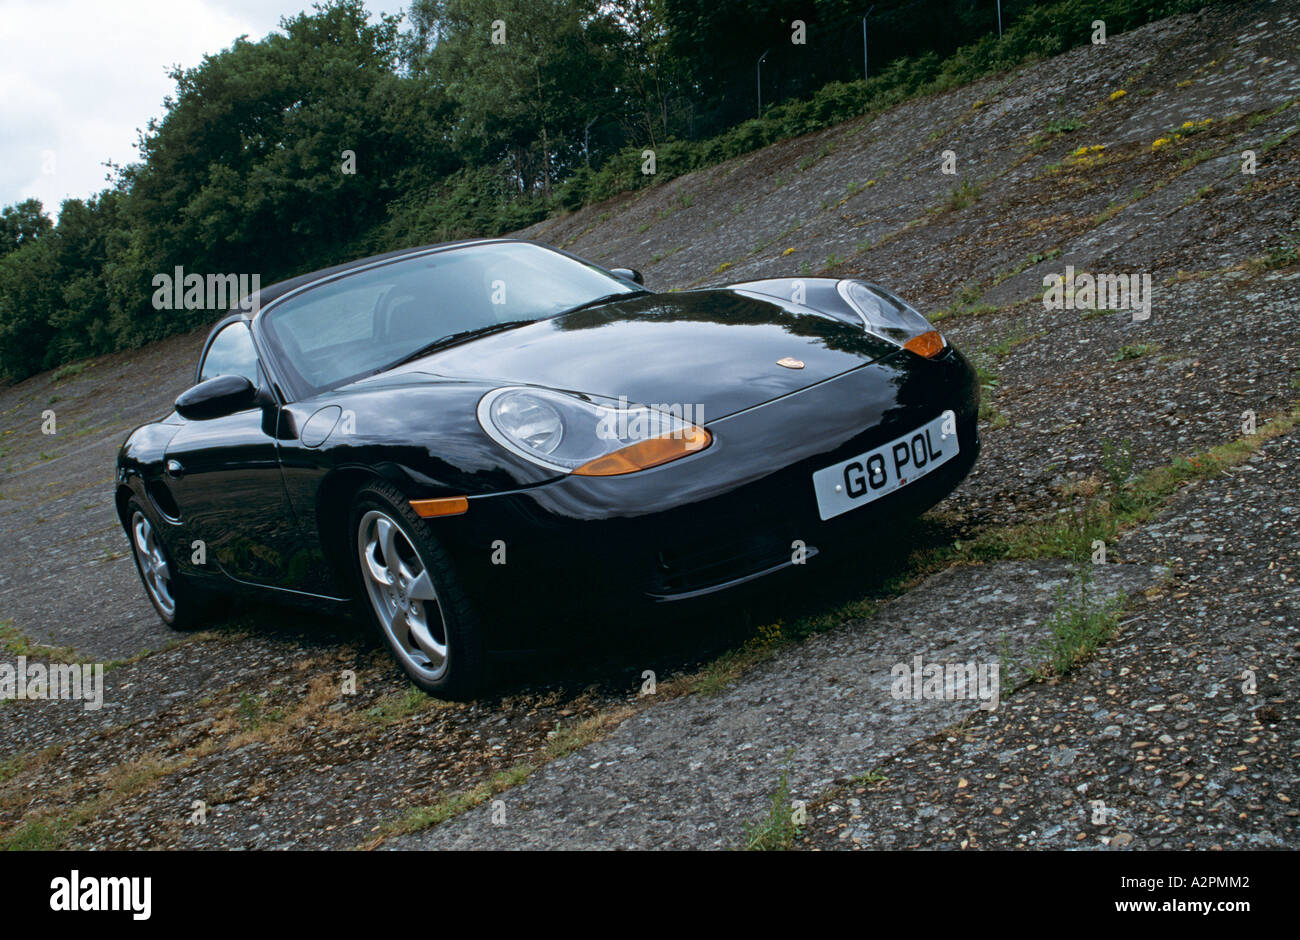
(683, 569)
(747, 537)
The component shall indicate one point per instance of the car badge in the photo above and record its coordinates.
(790, 362)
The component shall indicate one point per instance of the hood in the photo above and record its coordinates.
(717, 349)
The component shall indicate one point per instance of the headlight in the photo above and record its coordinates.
(528, 420)
(885, 315)
(572, 434)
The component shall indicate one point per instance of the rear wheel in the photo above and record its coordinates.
(179, 604)
(412, 596)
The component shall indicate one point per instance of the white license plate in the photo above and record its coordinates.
(878, 472)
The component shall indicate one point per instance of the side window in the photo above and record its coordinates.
(231, 353)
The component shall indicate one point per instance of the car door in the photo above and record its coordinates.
(224, 475)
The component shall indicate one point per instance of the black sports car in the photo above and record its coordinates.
(461, 438)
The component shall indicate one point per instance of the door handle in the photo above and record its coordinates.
(174, 468)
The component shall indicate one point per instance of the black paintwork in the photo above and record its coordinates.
(268, 488)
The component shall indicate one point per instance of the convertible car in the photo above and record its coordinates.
(466, 442)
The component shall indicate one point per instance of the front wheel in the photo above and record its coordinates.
(411, 594)
(179, 604)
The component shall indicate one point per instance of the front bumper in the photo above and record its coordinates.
(730, 515)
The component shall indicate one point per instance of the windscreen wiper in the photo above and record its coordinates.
(604, 299)
(451, 339)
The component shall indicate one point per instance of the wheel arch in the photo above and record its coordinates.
(333, 512)
(121, 498)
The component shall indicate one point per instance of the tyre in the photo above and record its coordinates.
(409, 591)
(179, 604)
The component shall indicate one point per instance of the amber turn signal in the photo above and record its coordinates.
(648, 453)
(928, 344)
(445, 506)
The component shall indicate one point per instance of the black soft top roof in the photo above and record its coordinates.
(280, 288)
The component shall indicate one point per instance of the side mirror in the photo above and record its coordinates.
(628, 274)
(217, 397)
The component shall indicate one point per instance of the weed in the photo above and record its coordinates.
(1079, 625)
(1136, 351)
(777, 830)
(967, 194)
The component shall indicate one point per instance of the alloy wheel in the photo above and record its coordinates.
(402, 594)
(153, 564)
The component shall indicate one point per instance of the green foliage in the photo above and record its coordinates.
(1063, 125)
(1117, 464)
(1133, 351)
(967, 194)
(246, 169)
(1078, 626)
(776, 830)
(22, 224)
(1285, 254)
(242, 174)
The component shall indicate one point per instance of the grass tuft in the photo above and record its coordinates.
(777, 830)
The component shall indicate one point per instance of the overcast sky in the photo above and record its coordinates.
(79, 77)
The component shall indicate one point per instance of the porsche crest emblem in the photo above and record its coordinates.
(790, 362)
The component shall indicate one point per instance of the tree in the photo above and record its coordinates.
(248, 163)
(652, 73)
(525, 97)
(21, 224)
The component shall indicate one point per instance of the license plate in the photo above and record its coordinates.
(878, 472)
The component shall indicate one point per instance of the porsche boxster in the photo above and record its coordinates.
(461, 442)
